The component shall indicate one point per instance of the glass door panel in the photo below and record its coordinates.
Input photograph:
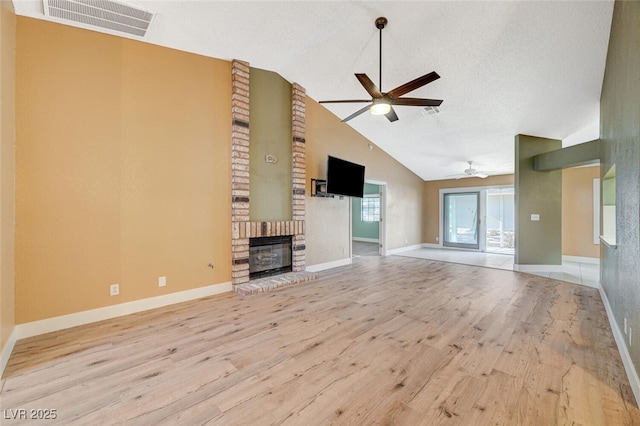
(461, 224)
(500, 220)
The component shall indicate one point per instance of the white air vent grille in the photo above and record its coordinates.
(430, 110)
(101, 13)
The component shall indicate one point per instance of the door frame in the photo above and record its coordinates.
(382, 232)
(482, 237)
(479, 221)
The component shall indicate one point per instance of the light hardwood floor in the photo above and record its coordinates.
(386, 340)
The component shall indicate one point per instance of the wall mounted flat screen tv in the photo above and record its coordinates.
(344, 178)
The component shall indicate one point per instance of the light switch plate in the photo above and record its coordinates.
(535, 217)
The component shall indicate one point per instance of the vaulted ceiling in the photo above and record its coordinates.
(506, 67)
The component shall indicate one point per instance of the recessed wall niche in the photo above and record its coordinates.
(609, 207)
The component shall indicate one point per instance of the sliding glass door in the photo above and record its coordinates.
(500, 220)
(461, 222)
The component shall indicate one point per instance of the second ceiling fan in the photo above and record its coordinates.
(381, 103)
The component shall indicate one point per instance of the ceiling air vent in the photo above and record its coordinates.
(432, 110)
(107, 14)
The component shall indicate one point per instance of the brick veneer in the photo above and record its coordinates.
(299, 164)
(242, 228)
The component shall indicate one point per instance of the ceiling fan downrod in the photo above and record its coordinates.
(380, 24)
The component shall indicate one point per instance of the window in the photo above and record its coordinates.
(371, 208)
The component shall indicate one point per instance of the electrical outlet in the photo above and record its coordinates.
(114, 289)
(625, 326)
(437, 239)
(344, 250)
(162, 281)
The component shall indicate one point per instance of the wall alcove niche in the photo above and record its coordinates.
(609, 208)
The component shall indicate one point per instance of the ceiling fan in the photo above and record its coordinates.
(381, 103)
(471, 172)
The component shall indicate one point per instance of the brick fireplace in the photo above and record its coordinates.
(243, 229)
(269, 256)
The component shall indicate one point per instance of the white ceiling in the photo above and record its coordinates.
(506, 67)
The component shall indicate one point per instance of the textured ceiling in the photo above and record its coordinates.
(506, 67)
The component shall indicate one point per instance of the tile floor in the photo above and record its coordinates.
(578, 273)
(574, 272)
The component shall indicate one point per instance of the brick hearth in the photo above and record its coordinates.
(263, 285)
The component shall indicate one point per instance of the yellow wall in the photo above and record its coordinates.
(328, 219)
(431, 205)
(7, 170)
(123, 170)
(577, 212)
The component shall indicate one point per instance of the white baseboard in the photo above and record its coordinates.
(590, 284)
(537, 268)
(86, 317)
(580, 259)
(328, 265)
(5, 353)
(366, 240)
(630, 369)
(403, 249)
(431, 245)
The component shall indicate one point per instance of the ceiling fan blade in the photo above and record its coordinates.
(391, 115)
(413, 84)
(369, 86)
(357, 113)
(345, 101)
(417, 102)
(481, 175)
(465, 176)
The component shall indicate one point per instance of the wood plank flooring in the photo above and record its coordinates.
(386, 340)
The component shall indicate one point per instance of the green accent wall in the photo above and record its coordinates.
(537, 242)
(270, 134)
(620, 136)
(360, 229)
(577, 155)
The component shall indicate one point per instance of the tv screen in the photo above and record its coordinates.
(344, 178)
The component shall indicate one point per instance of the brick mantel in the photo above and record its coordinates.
(242, 228)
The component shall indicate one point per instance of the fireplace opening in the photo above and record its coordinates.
(269, 256)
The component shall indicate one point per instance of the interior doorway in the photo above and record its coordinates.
(367, 221)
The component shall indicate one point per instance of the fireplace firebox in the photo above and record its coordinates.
(269, 256)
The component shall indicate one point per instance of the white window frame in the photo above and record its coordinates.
(369, 216)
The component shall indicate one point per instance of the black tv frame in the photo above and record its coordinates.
(344, 177)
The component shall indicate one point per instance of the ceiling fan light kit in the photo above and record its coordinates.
(382, 102)
(380, 108)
